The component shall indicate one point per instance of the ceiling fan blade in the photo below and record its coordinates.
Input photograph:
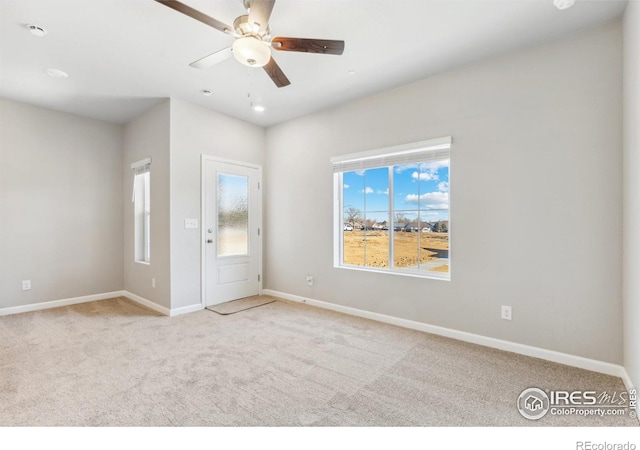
(195, 14)
(212, 59)
(325, 46)
(260, 12)
(277, 75)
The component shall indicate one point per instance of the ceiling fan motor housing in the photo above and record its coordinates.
(242, 27)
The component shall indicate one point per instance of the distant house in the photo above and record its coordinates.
(413, 226)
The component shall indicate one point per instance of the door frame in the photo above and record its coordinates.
(203, 229)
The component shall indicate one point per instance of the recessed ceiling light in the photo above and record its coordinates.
(259, 108)
(55, 73)
(36, 30)
(206, 92)
(563, 4)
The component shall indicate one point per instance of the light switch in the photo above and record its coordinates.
(191, 223)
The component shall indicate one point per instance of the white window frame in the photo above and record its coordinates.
(421, 151)
(141, 200)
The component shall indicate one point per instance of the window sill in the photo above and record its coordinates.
(403, 273)
(145, 263)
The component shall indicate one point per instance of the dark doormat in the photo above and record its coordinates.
(235, 306)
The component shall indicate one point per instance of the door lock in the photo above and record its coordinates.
(209, 241)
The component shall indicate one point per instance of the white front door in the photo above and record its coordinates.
(231, 226)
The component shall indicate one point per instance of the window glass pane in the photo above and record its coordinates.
(405, 240)
(377, 240)
(353, 192)
(434, 211)
(376, 192)
(353, 246)
(434, 241)
(147, 217)
(233, 215)
(405, 188)
(142, 217)
(365, 196)
(353, 218)
(434, 185)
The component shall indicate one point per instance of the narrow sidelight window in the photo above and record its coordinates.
(142, 210)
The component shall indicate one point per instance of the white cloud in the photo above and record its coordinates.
(385, 192)
(360, 173)
(434, 165)
(346, 186)
(425, 176)
(423, 167)
(430, 200)
(443, 186)
(367, 190)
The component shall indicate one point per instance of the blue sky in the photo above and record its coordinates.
(419, 190)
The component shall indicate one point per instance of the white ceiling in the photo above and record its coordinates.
(122, 56)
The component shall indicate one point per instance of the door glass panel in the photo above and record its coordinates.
(233, 215)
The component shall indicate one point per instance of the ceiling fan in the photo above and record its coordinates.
(253, 41)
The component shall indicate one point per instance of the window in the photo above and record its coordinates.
(142, 210)
(392, 209)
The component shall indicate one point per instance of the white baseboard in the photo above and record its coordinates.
(162, 309)
(186, 309)
(627, 382)
(58, 303)
(535, 352)
(94, 297)
(148, 303)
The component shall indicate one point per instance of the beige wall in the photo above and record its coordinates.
(196, 131)
(60, 205)
(631, 181)
(148, 136)
(535, 197)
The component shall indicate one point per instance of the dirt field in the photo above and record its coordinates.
(407, 252)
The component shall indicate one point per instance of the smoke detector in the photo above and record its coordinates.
(36, 30)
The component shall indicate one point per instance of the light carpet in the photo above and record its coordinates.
(115, 363)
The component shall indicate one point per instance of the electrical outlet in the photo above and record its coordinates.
(506, 312)
(309, 280)
(153, 282)
(26, 285)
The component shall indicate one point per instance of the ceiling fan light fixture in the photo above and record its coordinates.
(563, 4)
(251, 51)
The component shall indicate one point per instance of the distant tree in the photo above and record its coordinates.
(352, 216)
(401, 219)
(441, 227)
